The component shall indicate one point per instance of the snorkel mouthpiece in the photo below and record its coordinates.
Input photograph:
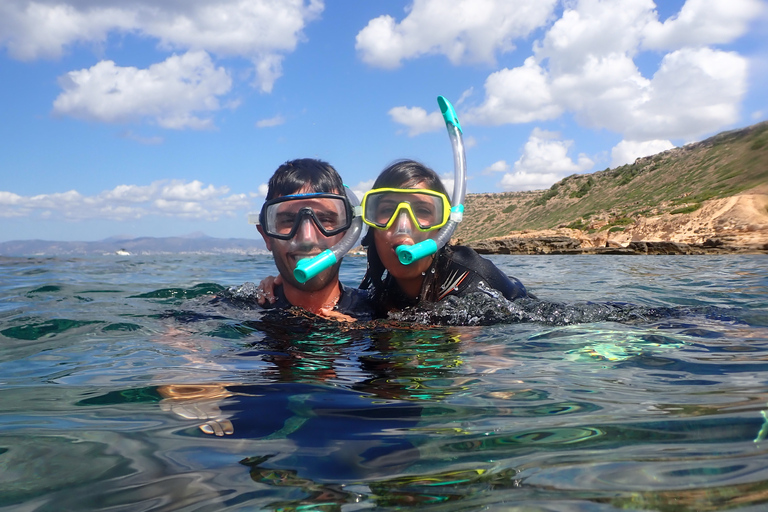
(407, 254)
(308, 268)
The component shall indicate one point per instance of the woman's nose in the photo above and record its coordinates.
(403, 224)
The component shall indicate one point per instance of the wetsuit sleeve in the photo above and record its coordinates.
(484, 270)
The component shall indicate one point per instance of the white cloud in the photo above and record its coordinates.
(500, 166)
(272, 121)
(695, 91)
(627, 151)
(33, 30)
(702, 22)
(523, 180)
(417, 120)
(544, 161)
(592, 29)
(518, 95)
(361, 188)
(10, 199)
(168, 92)
(150, 141)
(449, 180)
(585, 65)
(262, 31)
(193, 191)
(462, 30)
(175, 198)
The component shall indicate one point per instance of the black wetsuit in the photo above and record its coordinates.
(457, 270)
(352, 301)
(464, 271)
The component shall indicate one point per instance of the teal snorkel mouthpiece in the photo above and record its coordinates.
(308, 268)
(409, 254)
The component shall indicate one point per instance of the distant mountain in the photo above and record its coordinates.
(197, 243)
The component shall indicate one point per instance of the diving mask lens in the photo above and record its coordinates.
(281, 217)
(427, 209)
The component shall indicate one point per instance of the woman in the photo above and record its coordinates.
(407, 205)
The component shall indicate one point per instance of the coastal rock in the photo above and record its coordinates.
(661, 248)
(528, 245)
(548, 244)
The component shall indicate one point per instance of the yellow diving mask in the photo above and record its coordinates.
(428, 209)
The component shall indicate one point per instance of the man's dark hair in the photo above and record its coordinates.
(294, 175)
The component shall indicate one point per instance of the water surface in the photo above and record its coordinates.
(633, 383)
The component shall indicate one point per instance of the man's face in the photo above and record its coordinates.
(308, 241)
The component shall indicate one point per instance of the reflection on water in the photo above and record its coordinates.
(634, 383)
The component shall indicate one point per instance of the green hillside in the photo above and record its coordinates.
(674, 181)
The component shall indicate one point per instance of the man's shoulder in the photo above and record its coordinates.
(246, 296)
(355, 302)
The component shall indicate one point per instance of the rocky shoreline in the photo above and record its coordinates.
(568, 245)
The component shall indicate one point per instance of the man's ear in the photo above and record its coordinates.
(267, 239)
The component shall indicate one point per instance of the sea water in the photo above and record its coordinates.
(631, 383)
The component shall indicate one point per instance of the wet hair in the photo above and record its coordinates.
(409, 174)
(401, 174)
(293, 175)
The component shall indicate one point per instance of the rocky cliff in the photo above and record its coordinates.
(706, 197)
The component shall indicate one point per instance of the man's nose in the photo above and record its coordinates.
(307, 231)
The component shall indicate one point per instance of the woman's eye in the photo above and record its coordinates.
(425, 212)
(386, 211)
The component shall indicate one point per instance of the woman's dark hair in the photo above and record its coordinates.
(294, 175)
(401, 174)
(409, 174)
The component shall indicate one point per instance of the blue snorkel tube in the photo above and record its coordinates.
(407, 254)
(308, 268)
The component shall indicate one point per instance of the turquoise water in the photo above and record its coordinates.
(633, 383)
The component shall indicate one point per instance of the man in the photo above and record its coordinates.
(306, 212)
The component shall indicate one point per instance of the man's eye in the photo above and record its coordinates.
(286, 220)
(328, 219)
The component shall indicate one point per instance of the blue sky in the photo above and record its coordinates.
(149, 118)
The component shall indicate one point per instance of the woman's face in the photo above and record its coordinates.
(402, 232)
